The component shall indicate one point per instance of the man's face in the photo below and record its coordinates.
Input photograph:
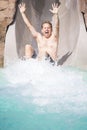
(46, 30)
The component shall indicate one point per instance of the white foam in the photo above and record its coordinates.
(49, 85)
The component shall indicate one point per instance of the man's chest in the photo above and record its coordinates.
(47, 43)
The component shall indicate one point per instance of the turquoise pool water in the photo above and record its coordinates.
(39, 96)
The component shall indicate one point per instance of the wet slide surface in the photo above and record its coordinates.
(72, 49)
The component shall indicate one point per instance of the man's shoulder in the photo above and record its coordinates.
(39, 35)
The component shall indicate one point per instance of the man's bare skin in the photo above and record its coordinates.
(47, 41)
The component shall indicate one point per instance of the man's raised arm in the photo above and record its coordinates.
(22, 9)
(55, 19)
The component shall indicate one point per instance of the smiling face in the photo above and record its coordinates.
(46, 29)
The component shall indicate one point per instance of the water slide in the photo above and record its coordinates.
(72, 49)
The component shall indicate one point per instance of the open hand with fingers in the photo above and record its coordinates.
(55, 8)
(22, 7)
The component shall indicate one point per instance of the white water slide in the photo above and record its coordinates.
(72, 49)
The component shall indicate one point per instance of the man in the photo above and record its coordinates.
(47, 42)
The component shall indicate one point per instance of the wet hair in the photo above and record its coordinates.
(48, 22)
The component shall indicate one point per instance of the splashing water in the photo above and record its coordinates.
(38, 96)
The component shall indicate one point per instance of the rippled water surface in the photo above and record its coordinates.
(38, 96)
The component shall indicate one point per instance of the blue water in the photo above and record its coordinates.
(39, 96)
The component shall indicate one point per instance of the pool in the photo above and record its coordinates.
(38, 96)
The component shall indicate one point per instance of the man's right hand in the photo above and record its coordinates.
(22, 7)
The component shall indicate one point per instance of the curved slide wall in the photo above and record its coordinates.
(72, 49)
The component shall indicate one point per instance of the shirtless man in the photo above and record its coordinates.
(47, 42)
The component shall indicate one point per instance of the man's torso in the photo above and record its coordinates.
(47, 46)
